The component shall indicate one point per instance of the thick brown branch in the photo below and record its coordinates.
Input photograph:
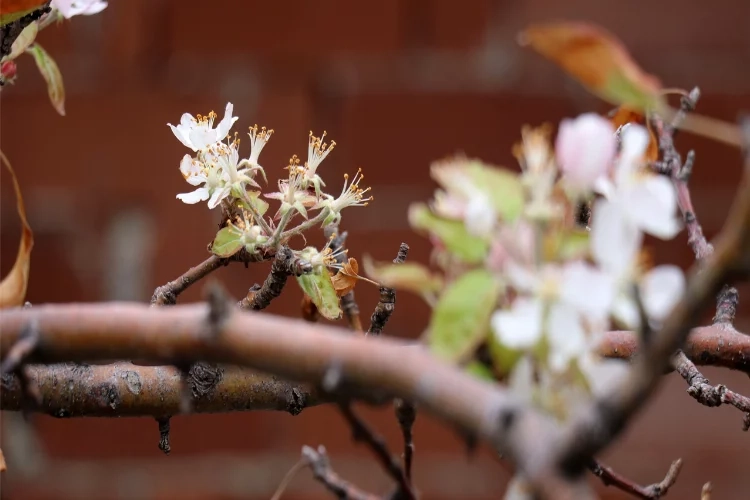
(291, 349)
(611, 478)
(128, 390)
(387, 302)
(284, 265)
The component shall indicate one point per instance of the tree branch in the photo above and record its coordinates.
(127, 390)
(321, 467)
(651, 492)
(349, 304)
(284, 265)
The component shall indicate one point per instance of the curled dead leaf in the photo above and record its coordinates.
(597, 59)
(13, 286)
(346, 278)
(624, 115)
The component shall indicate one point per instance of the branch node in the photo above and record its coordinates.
(387, 303)
(219, 308)
(285, 264)
(164, 435)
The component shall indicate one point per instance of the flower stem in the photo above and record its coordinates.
(258, 217)
(306, 225)
(276, 238)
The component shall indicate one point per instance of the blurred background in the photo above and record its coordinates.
(397, 84)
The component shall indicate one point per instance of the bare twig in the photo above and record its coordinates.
(284, 265)
(611, 478)
(387, 302)
(164, 428)
(126, 390)
(726, 306)
(406, 414)
(321, 467)
(27, 342)
(362, 432)
(349, 305)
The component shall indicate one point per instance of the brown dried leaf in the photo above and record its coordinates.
(309, 310)
(345, 280)
(597, 60)
(13, 286)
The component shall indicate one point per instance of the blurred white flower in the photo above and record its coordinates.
(70, 8)
(199, 133)
(480, 216)
(585, 148)
(645, 200)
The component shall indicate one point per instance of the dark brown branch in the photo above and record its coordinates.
(595, 427)
(127, 390)
(611, 478)
(349, 304)
(406, 414)
(284, 265)
(387, 302)
(362, 432)
(321, 467)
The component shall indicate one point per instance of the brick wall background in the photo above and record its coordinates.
(397, 84)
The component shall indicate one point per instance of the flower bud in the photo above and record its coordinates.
(585, 148)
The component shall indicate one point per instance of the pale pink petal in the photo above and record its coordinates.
(566, 336)
(585, 148)
(520, 327)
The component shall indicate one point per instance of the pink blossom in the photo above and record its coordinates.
(585, 148)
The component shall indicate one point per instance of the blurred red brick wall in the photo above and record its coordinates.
(397, 84)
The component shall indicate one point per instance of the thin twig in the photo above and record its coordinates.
(406, 414)
(284, 265)
(361, 432)
(164, 428)
(611, 478)
(349, 305)
(321, 467)
(387, 302)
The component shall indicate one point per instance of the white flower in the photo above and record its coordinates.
(293, 192)
(480, 216)
(351, 196)
(197, 174)
(317, 150)
(602, 374)
(585, 148)
(198, 134)
(615, 243)
(646, 200)
(70, 8)
(258, 140)
(564, 302)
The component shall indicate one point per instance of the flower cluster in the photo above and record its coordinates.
(537, 287)
(224, 179)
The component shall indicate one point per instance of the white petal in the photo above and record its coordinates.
(614, 239)
(652, 204)
(179, 133)
(566, 336)
(200, 194)
(662, 289)
(521, 327)
(602, 374)
(202, 137)
(222, 129)
(518, 489)
(480, 216)
(635, 140)
(626, 311)
(218, 196)
(588, 289)
(523, 279)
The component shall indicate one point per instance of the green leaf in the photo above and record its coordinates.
(567, 245)
(453, 234)
(26, 38)
(480, 371)
(463, 177)
(502, 187)
(255, 202)
(461, 317)
(51, 73)
(228, 241)
(319, 287)
(503, 358)
(409, 276)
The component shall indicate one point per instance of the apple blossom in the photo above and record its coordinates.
(317, 150)
(70, 8)
(351, 196)
(293, 192)
(199, 133)
(585, 148)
